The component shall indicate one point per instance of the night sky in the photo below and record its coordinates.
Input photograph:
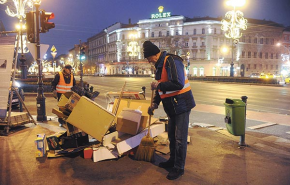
(81, 19)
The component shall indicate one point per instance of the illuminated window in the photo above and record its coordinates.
(195, 71)
(201, 71)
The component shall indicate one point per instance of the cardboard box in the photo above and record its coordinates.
(53, 141)
(128, 121)
(40, 143)
(91, 118)
(72, 101)
(63, 99)
(143, 123)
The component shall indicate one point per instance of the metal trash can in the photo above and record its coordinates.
(235, 116)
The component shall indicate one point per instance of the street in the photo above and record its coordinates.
(260, 98)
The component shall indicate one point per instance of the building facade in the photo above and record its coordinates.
(199, 41)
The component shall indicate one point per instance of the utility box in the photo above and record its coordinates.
(235, 116)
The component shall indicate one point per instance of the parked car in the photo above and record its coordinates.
(268, 75)
(255, 75)
(15, 100)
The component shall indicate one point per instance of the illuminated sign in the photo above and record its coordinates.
(161, 14)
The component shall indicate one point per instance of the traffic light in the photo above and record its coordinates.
(44, 18)
(82, 53)
(30, 27)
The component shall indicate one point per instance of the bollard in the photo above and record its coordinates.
(242, 138)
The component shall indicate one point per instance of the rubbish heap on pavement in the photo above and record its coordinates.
(113, 134)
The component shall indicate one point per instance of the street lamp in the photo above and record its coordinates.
(133, 49)
(232, 27)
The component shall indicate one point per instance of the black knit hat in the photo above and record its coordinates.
(150, 49)
(68, 66)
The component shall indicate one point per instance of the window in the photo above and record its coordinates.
(255, 54)
(203, 31)
(267, 41)
(261, 40)
(255, 40)
(186, 44)
(261, 55)
(201, 71)
(160, 34)
(255, 66)
(202, 44)
(250, 39)
(266, 55)
(186, 33)
(272, 41)
(277, 56)
(244, 39)
(243, 54)
(214, 31)
(249, 54)
(272, 55)
(195, 71)
(194, 44)
(167, 33)
(152, 34)
(176, 33)
(194, 32)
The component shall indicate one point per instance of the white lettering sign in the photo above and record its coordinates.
(160, 15)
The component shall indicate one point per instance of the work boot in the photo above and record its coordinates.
(167, 164)
(175, 173)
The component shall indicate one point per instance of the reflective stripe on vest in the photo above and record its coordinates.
(164, 78)
(62, 87)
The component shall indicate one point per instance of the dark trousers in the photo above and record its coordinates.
(177, 134)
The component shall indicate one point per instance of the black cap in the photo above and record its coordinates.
(68, 66)
(150, 49)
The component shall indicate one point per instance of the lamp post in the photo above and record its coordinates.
(40, 99)
(232, 27)
(20, 27)
(132, 48)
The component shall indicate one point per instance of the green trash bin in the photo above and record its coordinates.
(235, 116)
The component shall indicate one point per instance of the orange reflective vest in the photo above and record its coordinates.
(62, 87)
(164, 78)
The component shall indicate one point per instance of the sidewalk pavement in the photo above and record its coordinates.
(213, 158)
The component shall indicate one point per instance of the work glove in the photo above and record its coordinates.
(54, 94)
(152, 108)
(154, 85)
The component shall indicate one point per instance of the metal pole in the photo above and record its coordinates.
(81, 67)
(41, 113)
(232, 63)
(243, 137)
(22, 59)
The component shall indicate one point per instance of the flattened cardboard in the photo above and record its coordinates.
(91, 118)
